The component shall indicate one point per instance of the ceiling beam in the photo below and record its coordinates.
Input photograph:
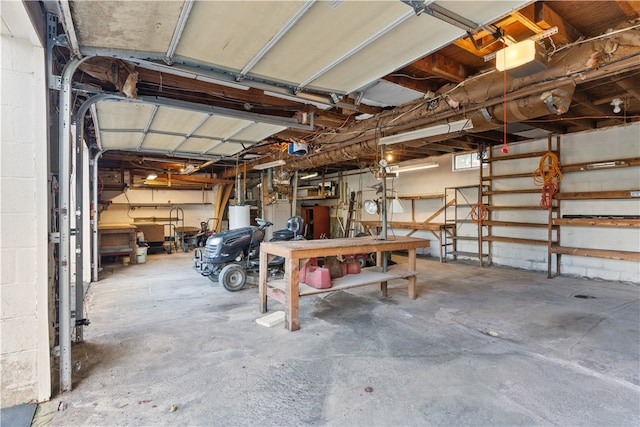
(441, 66)
(541, 15)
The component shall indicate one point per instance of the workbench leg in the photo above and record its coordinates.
(291, 294)
(412, 268)
(262, 282)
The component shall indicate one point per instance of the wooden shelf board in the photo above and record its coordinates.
(587, 195)
(517, 208)
(514, 224)
(421, 196)
(368, 276)
(523, 191)
(516, 156)
(597, 253)
(515, 240)
(596, 222)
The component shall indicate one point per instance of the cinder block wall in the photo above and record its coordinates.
(591, 146)
(24, 336)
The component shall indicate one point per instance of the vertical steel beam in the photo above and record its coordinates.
(79, 177)
(64, 169)
(94, 221)
(177, 32)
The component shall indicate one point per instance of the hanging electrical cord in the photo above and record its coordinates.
(505, 150)
(548, 175)
(478, 213)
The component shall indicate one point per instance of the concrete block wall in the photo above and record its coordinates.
(591, 146)
(118, 212)
(24, 329)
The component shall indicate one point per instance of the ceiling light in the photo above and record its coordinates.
(451, 127)
(616, 103)
(414, 166)
(152, 176)
(311, 175)
(522, 59)
(268, 165)
(187, 170)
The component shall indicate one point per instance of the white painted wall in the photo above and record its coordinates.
(596, 146)
(24, 336)
(197, 206)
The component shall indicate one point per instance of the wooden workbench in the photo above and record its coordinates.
(117, 239)
(296, 253)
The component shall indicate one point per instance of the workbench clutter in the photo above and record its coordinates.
(311, 274)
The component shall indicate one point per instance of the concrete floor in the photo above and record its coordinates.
(478, 347)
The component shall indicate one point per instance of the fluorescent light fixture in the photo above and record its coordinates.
(152, 176)
(268, 165)
(451, 127)
(522, 59)
(414, 166)
(186, 171)
(311, 175)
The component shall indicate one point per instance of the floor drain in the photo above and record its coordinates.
(584, 296)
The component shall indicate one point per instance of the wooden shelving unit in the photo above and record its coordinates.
(489, 194)
(611, 221)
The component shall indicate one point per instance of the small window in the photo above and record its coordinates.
(465, 161)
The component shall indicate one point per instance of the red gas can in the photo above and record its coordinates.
(318, 277)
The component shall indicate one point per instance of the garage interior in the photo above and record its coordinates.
(500, 140)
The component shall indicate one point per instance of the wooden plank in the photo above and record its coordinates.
(612, 194)
(522, 191)
(597, 253)
(433, 226)
(421, 196)
(515, 208)
(508, 176)
(514, 240)
(601, 164)
(544, 17)
(368, 276)
(597, 222)
(514, 224)
(516, 156)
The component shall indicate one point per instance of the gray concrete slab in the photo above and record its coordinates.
(478, 347)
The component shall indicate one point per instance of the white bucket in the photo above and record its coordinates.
(141, 255)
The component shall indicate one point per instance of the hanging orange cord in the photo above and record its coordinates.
(548, 175)
(478, 213)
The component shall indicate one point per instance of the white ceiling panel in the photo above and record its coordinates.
(482, 11)
(230, 33)
(221, 127)
(198, 145)
(120, 140)
(417, 37)
(325, 34)
(123, 115)
(258, 132)
(227, 149)
(179, 120)
(160, 142)
(145, 26)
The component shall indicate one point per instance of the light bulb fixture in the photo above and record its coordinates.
(413, 166)
(311, 175)
(370, 207)
(522, 59)
(441, 129)
(152, 176)
(616, 103)
(268, 165)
